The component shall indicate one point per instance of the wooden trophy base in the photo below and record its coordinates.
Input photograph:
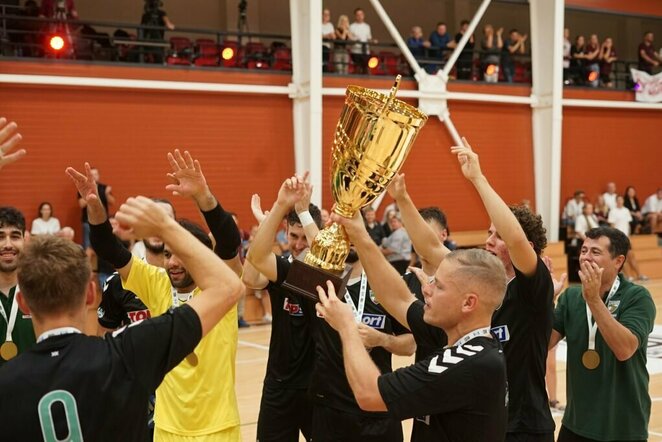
(303, 279)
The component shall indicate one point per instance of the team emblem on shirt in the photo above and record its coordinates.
(292, 309)
(101, 312)
(452, 356)
(373, 298)
(613, 306)
(139, 315)
(502, 333)
(375, 321)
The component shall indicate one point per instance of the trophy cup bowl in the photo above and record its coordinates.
(373, 137)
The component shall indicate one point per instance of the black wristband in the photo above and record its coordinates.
(107, 246)
(224, 230)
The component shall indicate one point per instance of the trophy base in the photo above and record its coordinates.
(303, 279)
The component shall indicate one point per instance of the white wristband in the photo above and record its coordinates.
(305, 218)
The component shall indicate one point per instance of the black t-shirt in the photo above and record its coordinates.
(376, 233)
(468, 50)
(457, 394)
(432, 338)
(118, 306)
(292, 347)
(523, 324)
(102, 383)
(329, 385)
(101, 188)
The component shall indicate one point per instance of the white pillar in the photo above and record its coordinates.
(547, 91)
(306, 86)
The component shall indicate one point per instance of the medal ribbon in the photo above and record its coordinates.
(12, 315)
(485, 331)
(58, 332)
(358, 312)
(593, 327)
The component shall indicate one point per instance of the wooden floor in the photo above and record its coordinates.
(252, 359)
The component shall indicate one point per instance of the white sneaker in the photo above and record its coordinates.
(267, 318)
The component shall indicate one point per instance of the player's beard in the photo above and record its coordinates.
(184, 282)
(9, 267)
(156, 248)
(352, 257)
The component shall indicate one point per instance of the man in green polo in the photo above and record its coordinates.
(16, 332)
(606, 322)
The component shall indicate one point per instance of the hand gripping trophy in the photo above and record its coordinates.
(373, 137)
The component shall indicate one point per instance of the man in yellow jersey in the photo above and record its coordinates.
(196, 400)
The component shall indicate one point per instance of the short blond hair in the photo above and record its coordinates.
(479, 272)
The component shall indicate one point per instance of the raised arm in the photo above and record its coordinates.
(220, 286)
(385, 281)
(426, 242)
(522, 254)
(189, 181)
(9, 139)
(251, 276)
(301, 207)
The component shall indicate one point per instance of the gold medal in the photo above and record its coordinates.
(8, 350)
(591, 359)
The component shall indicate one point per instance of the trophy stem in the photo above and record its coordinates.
(329, 249)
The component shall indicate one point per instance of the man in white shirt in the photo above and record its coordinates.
(610, 195)
(328, 32)
(574, 208)
(585, 222)
(652, 211)
(362, 33)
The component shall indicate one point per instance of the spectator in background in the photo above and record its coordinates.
(440, 43)
(363, 35)
(281, 244)
(397, 246)
(585, 222)
(153, 15)
(648, 58)
(610, 195)
(514, 44)
(577, 58)
(340, 54)
(601, 210)
(46, 224)
(375, 230)
(491, 46)
(416, 43)
(593, 64)
(620, 218)
(573, 208)
(57, 9)
(607, 59)
(652, 211)
(631, 202)
(566, 56)
(325, 217)
(465, 60)
(328, 33)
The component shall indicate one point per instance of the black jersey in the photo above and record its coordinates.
(523, 324)
(459, 393)
(93, 388)
(118, 306)
(329, 385)
(292, 348)
(433, 338)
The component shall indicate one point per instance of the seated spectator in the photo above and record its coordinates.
(631, 202)
(607, 59)
(340, 54)
(514, 44)
(397, 246)
(58, 9)
(577, 59)
(416, 43)
(46, 224)
(648, 58)
(363, 35)
(573, 208)
(566, 56)
(601, 210)
(440, 43)
(328, 33)
(652, 211)
(593, 62)
(620, 218)
(67, 233)
(465, 60)
(491, 46)
(610, 195)
(375, 230)
(585, 222)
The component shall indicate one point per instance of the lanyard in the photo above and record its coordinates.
(57, 332)
(593, 327)
(11, 321)
(175, 298)
(358, 312)
(485, 331)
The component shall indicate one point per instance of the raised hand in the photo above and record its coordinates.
(355, 227)
(591, 277)
(370, 337)
(291, 191)
(256, 208)
(307, 191)
(336, 313)
(188, 179)
(468, 160)
(422, 277)
(142, 217)
(558, 283)
(85, 184)
(9, 139)
(398, 189)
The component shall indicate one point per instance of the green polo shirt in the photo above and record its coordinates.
(23, 333)
(610, 402)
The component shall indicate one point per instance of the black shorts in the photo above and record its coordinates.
(529, 437)
(283, 413)
(331, 425)
(566, 435)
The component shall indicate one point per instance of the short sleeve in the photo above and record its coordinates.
(151, 284)
(110, 311)
(154, 347)
(424, 333)
(639, 315)
(275, 287)
(538, 289)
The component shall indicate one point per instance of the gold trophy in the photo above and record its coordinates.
(372, 140)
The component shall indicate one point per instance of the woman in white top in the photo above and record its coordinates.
(620, 218)
(46, 223)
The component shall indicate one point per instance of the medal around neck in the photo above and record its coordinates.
(8, 350)
(591, 359)
(373, 137)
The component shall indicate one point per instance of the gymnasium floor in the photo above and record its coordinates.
(252, 359)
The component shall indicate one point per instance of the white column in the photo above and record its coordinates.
(547, 91)
(306, 90)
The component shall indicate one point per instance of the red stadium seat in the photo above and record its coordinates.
(207, 53)
(282, 59)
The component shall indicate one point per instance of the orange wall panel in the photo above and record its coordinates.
(243, 143)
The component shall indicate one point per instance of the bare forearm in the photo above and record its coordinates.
(362, 373)
(426, 243)
(402, 345)
(253, 278)
(206, 201)
(618, 337)
(264, 238)
(96, 214)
